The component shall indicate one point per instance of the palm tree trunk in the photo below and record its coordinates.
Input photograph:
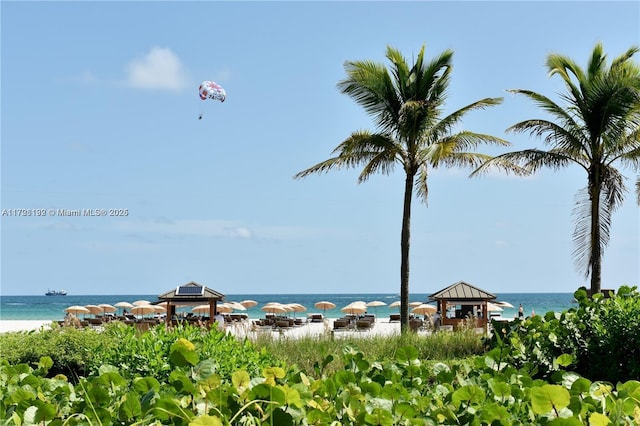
(404, 257)
(596, 248)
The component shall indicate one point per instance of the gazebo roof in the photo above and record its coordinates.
(462, 291)
(191, 292)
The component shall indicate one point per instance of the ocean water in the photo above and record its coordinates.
(52, 307)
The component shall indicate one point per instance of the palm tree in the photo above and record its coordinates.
(406, 104)
(599, 127)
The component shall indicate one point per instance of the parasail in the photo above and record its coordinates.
(212, 90)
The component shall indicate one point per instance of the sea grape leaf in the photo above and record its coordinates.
(470, 394)
(206, 420)
(183, 353)
(130, 408)
(547, 397)
(240, 380)
(597, 419)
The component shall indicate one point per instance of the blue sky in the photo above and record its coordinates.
(100, 111)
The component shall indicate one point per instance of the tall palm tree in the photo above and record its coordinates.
(406, 103)
(598, 128)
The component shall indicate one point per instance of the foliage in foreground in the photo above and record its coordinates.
(403, 391)
(82, 352)
(601, 334)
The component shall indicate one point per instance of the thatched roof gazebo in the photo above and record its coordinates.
(461, 302)
(193, 294)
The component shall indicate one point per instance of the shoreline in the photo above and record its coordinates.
(382, 327)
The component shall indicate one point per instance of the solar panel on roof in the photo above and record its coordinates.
(191, 290)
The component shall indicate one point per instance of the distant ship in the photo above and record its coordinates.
(56, 293)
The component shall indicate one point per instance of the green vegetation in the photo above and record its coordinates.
(193, 376)
(323, 355)
(601, 335)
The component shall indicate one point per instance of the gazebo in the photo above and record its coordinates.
(194, 294)
(461, 302)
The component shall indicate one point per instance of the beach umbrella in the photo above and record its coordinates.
(414, 304)
(236, 306)
(354, 308)
(202, 309)
(94, 309)
(324, 305)
(503, 304)
(107, 308)
(123, 305)
(248, 303)
(375, 305)
(274, 307)
(76, 310)
(224, 308)
(296, 307)
(143, 309)
(492, 307)
(141, 302)
(395, 304)
(424, 309)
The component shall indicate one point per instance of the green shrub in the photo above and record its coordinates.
(141, 354)
(73, 351)
(601, 335)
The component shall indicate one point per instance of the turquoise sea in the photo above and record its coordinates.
(52, 307)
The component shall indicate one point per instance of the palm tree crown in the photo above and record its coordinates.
(598, 128)
(406, 103)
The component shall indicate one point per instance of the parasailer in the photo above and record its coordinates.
(211, 90)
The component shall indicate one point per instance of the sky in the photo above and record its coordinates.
(99, 112)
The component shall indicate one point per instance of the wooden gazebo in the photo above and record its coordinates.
(462, 302)
(193, 294)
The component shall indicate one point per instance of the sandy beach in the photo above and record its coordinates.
(23, 325)
(381, 327)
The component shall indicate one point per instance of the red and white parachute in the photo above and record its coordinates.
(211, 90)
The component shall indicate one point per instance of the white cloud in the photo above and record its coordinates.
(158, 69)
(220, 229)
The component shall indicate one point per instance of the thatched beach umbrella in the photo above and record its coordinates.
(425, 309)
(296, 307)
(274, 307)
(123, 305)
(236, 306)
(355, 308)
(76, 310)
(107, 308)
(324, 305)
(248, 303)
(94, 309)
(375, 305)
(143, 310)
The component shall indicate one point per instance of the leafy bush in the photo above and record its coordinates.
(73, 351)
(402, 391)
(140, 354)
(601, 334)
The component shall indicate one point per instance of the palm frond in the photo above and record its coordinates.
(359, 149)
(446, 124)
(582, 236)
(421, 186)
(613, 188)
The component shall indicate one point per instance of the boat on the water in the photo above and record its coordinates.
(62, 292)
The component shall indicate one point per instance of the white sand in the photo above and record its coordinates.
(382, 327)
(23, 325)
